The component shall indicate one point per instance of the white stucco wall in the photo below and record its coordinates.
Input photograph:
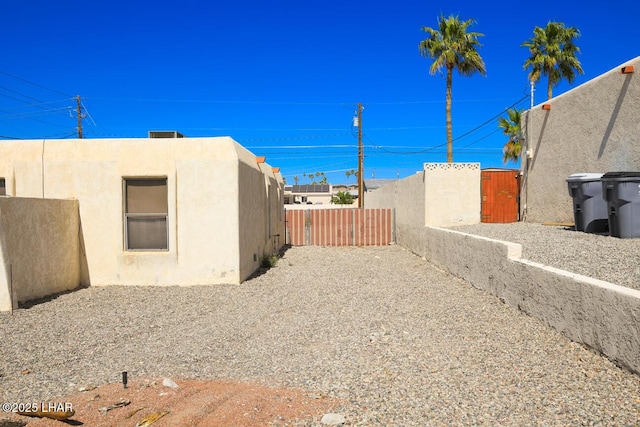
(592, 128)
(216, 203)
(445, 194)
(39, 249)
(452, 194)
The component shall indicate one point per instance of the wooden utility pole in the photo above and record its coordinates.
(80, 116)
(360, 160)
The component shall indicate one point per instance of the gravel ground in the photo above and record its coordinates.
(405, 344)
(594, 255)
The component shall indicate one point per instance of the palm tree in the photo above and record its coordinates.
(451, 46)
(511, 127)
(350, 173)
(296, 179)
(553, 54)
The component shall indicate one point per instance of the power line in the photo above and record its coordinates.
(293, 138)
(288, 147)
(33, 113)
(297, 103)
(35, 84)
(458, 137)
(216, 101)
(39, 105)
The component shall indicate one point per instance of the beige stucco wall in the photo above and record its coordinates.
(274, 188)
(39, 249)
(592, 128)
(599, 314)
(407, 197)
(452, 193)
(444, 194)
(216, 202)
(258, 195)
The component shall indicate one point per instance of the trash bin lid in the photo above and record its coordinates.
(584, 177)
(622, 176)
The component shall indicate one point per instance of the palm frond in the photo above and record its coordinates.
(553, 54)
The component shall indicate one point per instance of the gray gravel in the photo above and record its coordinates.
(405, 344)
(594, 255)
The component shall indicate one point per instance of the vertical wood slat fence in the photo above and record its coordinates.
(340, 227)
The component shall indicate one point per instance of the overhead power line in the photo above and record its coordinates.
(458, 137)
(40, 104)
(35, 84)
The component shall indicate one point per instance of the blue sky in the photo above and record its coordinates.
(283, 77)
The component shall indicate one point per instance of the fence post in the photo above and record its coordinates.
(307, 227)
(393, 225)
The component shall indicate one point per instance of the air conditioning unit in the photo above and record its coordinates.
(165, 134)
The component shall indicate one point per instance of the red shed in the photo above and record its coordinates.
(500, 189)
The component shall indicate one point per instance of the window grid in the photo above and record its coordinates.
(145, 229)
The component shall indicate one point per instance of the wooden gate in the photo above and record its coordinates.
(340, 227)
(500, 195)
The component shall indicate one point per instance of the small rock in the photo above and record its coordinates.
(86, 388)
(5, 422)
(333, 419)
(168, 382)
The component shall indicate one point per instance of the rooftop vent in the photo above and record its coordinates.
(165, 134)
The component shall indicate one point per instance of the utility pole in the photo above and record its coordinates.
(360, 160)
(80, 116)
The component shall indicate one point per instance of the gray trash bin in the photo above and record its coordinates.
(589, 207)
(621, 190)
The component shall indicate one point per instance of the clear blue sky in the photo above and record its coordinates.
(284, 77)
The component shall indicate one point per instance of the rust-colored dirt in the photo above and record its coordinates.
(194, 403)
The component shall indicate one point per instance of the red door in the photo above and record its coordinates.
(500, 191)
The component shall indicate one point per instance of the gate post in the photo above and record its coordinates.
(307, 227)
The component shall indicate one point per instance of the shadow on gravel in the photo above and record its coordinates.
(597, 233)
(37, 301)
(268, 263)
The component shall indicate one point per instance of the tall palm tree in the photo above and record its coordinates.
(451, 46)
(553, 54)
(511, 127)
(350, 173)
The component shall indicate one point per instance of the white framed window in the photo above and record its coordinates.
(146, 214)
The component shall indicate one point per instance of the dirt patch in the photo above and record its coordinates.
(194, 403)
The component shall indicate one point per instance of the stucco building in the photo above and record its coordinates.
(591, 128)
(167, 211)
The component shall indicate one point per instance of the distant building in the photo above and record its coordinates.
(307, 194)
(374, 184)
